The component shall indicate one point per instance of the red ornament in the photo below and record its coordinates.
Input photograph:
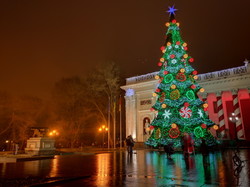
(205, 109)
(162, 48)
(151, 127)
(193, 86)
(159, 63)
(178, 43)
(185, 112)
(203, 126)
(195, 72)
(152, 109)
(181, 77)
(186, 104)
(173, 21)
(174, 133)
(157, 90)
(185, 48)
(191, 60)
(165, 72)
(172, 56)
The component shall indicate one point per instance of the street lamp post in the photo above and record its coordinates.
(103, 129)
(53, 133)
(234, 120)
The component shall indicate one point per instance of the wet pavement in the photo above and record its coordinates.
(142, 168)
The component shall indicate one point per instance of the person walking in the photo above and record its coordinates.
(130, 143)
(169, 150)
(188, 144)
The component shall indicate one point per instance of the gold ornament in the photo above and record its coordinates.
(184, 44)
(195, 77)
(174, 95)
(178, 24)
(158, 133)
(154, 94)
(168, 44)
(173, 86)
(173, 125)
(167, 24)
(202, 90)
(182, 70)
(157, 77)
(162, 59)
(205, 105)
(185, 56)
(163, 105)
(215, 127)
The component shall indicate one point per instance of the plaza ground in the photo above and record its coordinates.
(115, 167)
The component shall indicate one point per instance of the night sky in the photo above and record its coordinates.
(45, 40)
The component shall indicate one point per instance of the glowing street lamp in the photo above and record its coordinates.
(103, 129)
(53, 133)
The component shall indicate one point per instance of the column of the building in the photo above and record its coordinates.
(131, 115)
(237, 113)
(139, 122)
(222, 127)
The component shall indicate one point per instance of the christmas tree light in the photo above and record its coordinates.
(179, 108)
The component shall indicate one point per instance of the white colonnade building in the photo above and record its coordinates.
(226, 92)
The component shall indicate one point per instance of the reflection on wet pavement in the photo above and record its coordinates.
(142, 168)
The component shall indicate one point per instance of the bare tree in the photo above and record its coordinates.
(18, 114)
(71, 109)
(103, 89)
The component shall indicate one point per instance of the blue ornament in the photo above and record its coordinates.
(171, 10)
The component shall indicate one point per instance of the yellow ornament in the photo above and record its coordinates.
(154, 94)
(178, 24)
(215, 127)
(168, 44)
(167, 24)
(205, 105)
(195, 77)
(184, 44)
(173, 125)
(157, 77)
(185, 56)
(162, 59)
(202, 90)
(182, 70)
(173, 86)
(163, 105)
(158, 133)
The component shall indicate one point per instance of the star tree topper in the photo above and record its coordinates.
(171, 10)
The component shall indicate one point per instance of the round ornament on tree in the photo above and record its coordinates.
(198, 132)
(158, 133)
(175, 94)
(181, 77)
(190, 94)
(174, 133)
(185, 112)
(168, 78)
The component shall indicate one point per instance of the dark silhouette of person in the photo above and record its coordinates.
(204, 148)
(130, 143)
(188, 144)
(168, 148)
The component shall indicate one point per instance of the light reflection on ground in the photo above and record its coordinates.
(142, 168)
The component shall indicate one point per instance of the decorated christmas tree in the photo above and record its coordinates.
(179, 109)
